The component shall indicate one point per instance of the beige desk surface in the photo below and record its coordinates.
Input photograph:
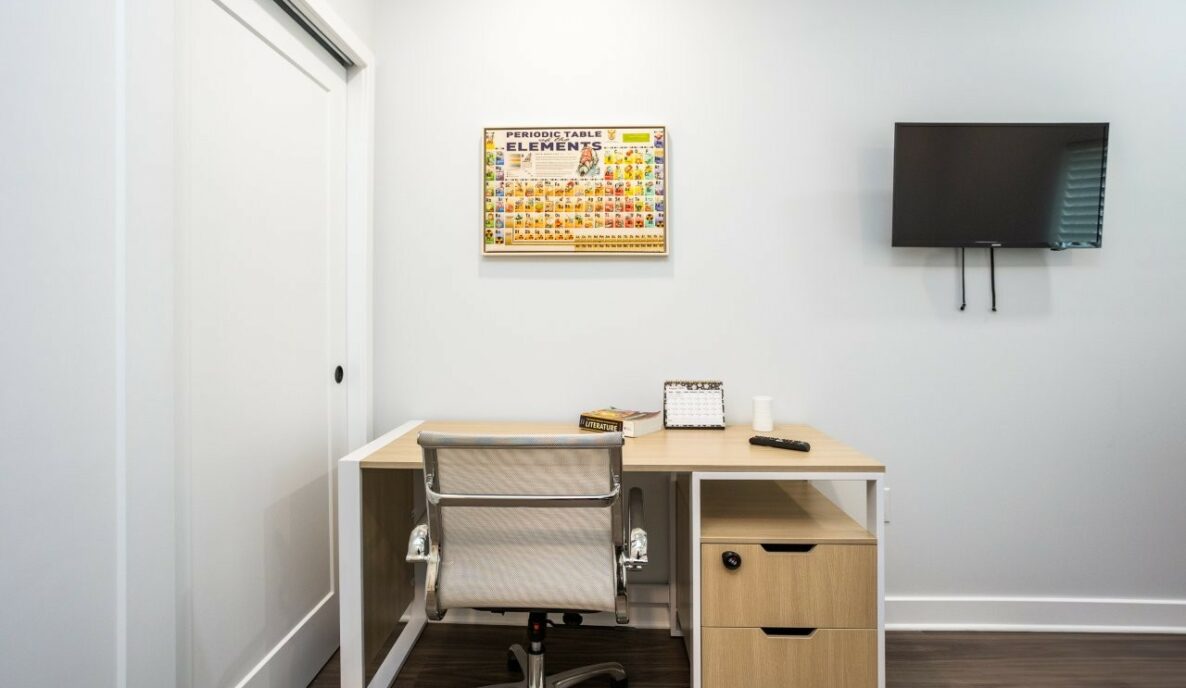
(664, 451)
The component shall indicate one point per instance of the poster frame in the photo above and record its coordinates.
(570, 254)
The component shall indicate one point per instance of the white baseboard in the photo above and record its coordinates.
(648, 609)
(290, 661)
(1040, 614)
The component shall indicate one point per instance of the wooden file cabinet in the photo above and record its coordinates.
(801, 607)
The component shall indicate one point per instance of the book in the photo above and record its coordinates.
(629, 423)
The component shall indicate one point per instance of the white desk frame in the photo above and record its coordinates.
(351, 652)
(353, 662)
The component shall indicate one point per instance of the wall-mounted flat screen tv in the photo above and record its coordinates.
(999, 185)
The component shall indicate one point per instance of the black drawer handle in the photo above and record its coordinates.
(793, 632)
(787, 548)
(731, 560)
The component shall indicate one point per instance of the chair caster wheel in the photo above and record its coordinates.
(615, 683)
(513, 663)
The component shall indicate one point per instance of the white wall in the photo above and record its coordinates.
(359, 15)
(57, 306)
(86, 495)
(1033, 452)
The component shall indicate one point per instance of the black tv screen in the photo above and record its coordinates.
(1005, 185)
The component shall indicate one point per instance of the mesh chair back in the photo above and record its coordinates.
(525, 557)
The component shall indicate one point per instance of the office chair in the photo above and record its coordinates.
(529, 523)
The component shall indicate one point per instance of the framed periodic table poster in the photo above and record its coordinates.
(575, 190)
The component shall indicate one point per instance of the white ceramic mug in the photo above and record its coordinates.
(763, 414)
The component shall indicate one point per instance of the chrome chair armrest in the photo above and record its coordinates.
(418, 547)
(421, 550)
(635, 556)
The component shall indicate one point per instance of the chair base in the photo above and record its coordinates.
(533, 673)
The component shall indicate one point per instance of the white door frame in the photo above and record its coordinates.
(360, 186)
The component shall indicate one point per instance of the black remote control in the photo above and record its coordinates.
(793, 445)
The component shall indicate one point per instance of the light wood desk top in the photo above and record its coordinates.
(672, 451)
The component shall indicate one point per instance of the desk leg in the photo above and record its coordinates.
(351, 652)
(374, 519)
(673, 571)
(875, 523)
(377, 586)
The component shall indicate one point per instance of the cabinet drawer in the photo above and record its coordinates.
(750, 658)
(812, 586)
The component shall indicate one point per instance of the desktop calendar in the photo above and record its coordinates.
(693, 404)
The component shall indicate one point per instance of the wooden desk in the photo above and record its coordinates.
(667, 451)
(376, 493)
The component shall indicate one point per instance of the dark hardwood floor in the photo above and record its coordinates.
(456, 656)
(1035, 660)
